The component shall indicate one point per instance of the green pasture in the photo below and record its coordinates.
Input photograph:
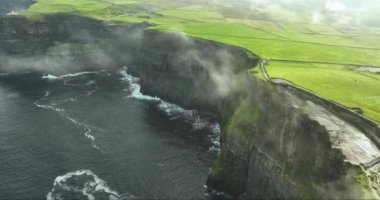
(334, 82)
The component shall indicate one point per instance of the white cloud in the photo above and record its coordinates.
(335, 6)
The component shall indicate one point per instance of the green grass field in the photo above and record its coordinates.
(335, 82)
(271, 33)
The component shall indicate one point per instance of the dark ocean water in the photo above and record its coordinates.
(95, 136)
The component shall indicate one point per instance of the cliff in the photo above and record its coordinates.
(275, 143)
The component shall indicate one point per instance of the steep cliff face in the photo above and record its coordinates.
(275, 144)
(272, 147)
(273, 150)
(193, 73)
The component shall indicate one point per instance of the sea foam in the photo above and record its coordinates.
(53, 77)
(91, 185)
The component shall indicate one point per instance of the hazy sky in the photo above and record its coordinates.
(339, 12)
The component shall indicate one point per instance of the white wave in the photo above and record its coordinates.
(90, 92)
(49, 76)
(92, 185)
(48, 107)
(14, 12)
(53, 77)
(174, 111)
(134, 87)
(198, 123)
(61, 111)
(4, 74)
(92, 138)
(191, 116)
(215, 137)
(87, 133)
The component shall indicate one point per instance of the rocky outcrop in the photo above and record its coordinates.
(272, 147)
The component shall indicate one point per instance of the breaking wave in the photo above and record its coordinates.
(83, 183)
(53, 77)
(172, 110)
(13, 12)
(47, 107)
(134, 87)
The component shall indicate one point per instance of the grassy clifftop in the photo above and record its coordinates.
(272, 33)
(268, 37)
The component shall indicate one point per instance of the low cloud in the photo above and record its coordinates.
(220, 70)
(335, 6)
(335, 12)
(66, 50)
(59, 63)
